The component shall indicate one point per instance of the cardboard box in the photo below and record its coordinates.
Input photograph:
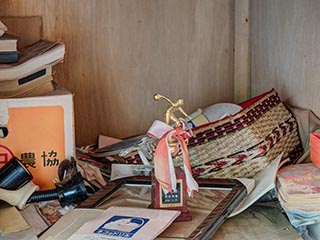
(40, 133)
(315, 148)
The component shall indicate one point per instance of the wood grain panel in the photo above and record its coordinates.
(241, 51)
(285, 38)
(119, 53)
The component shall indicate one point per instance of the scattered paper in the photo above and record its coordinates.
(265, 181)
(104, 141)
(249, 183)
(90, 172)
(129, 170)
(11, 220)
(118, 223)
(35, 219)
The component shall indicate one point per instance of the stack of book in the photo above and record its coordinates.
(8, 48)
(28, 71)
(298, 188)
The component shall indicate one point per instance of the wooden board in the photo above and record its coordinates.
(285, 50)
(241, 51)
(119, 53)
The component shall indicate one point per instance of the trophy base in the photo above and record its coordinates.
(172, 201)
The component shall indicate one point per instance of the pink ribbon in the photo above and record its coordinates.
(163, 162)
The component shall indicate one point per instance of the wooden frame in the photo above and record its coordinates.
(211, 222)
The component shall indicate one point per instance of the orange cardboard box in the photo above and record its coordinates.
(40, 133)
(315, 148)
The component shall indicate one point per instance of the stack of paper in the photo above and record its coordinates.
(299, 193)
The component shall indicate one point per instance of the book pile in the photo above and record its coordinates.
(298, 188)
(28, 71)
(8, 48)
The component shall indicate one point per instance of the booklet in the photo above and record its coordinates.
(114, 223)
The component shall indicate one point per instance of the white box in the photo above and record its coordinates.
(40, 133)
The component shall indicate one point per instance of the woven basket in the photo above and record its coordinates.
(241, 145)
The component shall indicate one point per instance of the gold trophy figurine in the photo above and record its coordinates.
(170, 116)
(177, 199)
(172, 108)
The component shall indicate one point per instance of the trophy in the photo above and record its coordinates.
(170, 184)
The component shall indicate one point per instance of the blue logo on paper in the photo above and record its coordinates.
(121, 226)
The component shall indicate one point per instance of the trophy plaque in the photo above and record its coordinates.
(167, 196)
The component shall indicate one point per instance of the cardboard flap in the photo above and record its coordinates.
(315, 148)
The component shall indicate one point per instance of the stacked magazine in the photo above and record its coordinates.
(298, 189)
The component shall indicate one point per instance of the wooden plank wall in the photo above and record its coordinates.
(285, 50)
(119, 53)
(241, 51)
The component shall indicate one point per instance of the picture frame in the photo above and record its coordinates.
(210, 207)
